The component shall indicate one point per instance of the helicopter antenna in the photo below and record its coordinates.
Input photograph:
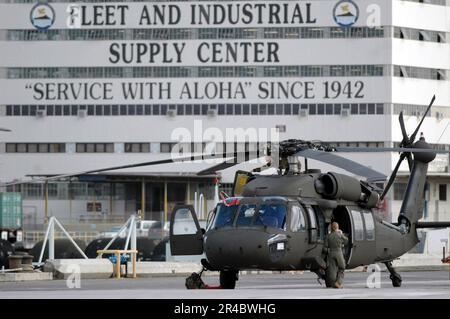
(443, 132)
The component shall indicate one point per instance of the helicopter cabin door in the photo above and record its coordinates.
(186, 236)
(362, 239)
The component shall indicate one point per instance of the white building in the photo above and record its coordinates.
(108, 83)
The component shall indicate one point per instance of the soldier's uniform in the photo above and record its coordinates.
(335, 258)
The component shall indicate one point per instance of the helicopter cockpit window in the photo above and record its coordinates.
(184, 223)
(245, 214)
(298, 222)
(224, 216)
(271, 215)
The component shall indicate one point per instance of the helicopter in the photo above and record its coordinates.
(279, 222)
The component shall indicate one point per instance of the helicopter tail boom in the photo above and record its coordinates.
(432, 224)
(411, 209)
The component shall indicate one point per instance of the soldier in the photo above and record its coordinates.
(335, 258)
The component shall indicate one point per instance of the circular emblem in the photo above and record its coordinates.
(42, 16)
(345, 13)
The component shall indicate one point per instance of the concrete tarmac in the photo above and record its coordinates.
(420, 284)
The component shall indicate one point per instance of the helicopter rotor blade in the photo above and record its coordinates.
(224, 165)
(221, 166)
(402, 126)
(344, 163)
(413, 136)
(388, 149)
(392, 177)
(235, 155)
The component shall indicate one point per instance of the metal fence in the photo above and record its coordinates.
(30, 238)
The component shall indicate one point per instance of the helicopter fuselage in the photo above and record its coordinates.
(296, 243)
(280, 223)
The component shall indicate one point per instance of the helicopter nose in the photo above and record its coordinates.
(246, 248)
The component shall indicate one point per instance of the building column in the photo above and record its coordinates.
(143, 198)
(46, 202)
(165, 201)
(111, 196)
(188, 192)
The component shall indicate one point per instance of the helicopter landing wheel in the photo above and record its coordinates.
(228, 279)
(395, 276)
(396, 281)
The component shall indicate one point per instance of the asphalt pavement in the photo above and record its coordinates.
(420, 284)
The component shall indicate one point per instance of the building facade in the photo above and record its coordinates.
(86, 85)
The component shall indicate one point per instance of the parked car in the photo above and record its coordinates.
(112, 232)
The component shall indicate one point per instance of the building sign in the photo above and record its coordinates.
(346, 13)
(42, 16)
(193, 14)
(239, 52)
(195, 90)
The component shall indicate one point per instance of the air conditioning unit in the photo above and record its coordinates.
(345, 112)
(171, 113)
(82, 113)
(41, 113)
(303, 112)
(212, 113)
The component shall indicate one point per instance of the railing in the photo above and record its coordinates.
(30, 238)
(72, 225)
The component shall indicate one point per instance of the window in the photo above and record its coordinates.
(298, 222)
(57, 148)
(370, 226)
(25, 110)
(245, 214)
(35, 148)
(442, 192)
(43, 148)
(225, 216)
(320, 109)
(228, 109)
(32, 148)
(321, 222)
(137, 147)
(33, 190)
(358, 225)
(271, 215)
(399, 190)
(312, 218)
(184, 223)
(10, 148)
(95, 147)
(166, 147)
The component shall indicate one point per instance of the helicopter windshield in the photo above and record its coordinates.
(246, 213)
(225, 216)
(271, 215)
(268, 214)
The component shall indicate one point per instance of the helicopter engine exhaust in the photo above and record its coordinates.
(338, 186)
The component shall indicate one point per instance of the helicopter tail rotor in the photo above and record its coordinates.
(407, 143)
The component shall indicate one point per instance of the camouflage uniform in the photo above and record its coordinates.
(335, 258)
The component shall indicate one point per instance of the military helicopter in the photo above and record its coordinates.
(279, 222)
